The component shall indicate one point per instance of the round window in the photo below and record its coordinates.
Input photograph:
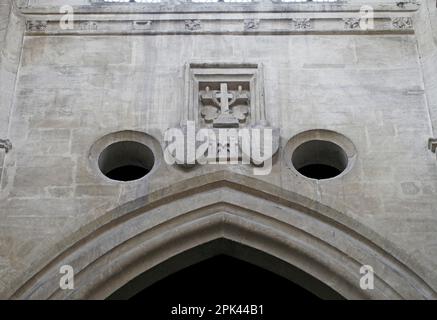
(319, 159)
(126, 161)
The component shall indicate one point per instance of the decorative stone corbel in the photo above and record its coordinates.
(432, 145)
(5, 144)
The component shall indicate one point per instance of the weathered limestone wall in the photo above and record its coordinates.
(5, 9)
(74, 89)
(426, 25)
(11, 35)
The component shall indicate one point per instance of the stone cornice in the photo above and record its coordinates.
(263, 18)
(174, 6)
(233, 24)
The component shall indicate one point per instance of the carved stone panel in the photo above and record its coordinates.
(251, 24)
(227, 101)
(36, 25)
(351, 23)
(192, 25)
(225, 104)
(302, 23)
(88, 25)
(402, 23)
(225, 95)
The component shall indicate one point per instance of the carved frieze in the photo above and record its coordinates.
(402, 23)
(223, 26)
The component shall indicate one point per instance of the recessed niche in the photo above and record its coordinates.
(126, 161)
(319, 159)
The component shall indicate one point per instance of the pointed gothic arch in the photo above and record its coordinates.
(209, 258)
(139, 235)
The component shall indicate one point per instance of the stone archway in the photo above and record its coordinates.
(142, 234)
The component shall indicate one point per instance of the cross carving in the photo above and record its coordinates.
(224, 97)
(225, 108)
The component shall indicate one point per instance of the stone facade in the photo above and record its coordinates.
(69, 93)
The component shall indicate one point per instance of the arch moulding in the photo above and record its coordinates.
(139, 235)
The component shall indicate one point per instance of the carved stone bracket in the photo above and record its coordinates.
(432, 145)
(5, 144)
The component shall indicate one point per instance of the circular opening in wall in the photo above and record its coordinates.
(126, 161)
(319, 159)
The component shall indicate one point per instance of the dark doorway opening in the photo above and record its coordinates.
(223, 276)
(204, 273)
